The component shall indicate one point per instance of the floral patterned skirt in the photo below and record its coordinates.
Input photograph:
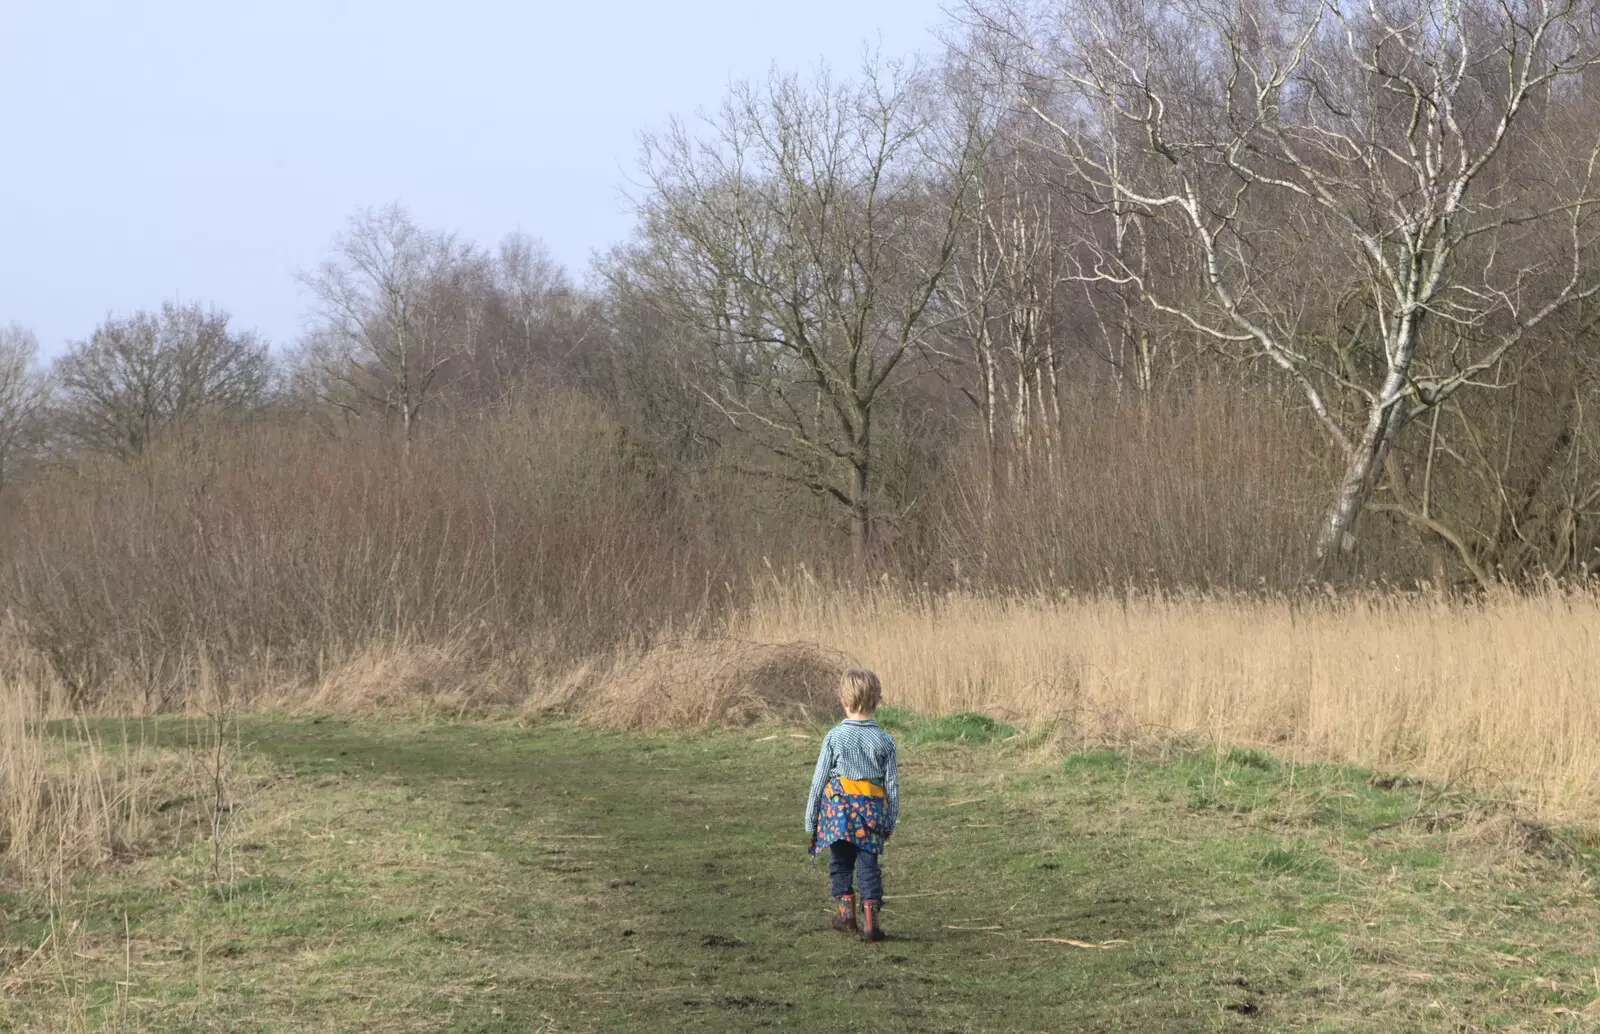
(855, 817)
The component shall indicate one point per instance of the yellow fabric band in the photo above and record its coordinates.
(860, 787)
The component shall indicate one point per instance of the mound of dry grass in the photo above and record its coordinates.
(394, 675)
(695, 683)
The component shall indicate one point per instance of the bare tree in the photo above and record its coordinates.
(800, 244)
(23, 393)
(137, 378)
(393, 314)
(1407, 163)
(1000, 297)
(1507, 487)
(537, 325)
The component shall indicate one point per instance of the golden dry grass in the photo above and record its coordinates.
(1498, 695)
(67, 801)
(1502, 695)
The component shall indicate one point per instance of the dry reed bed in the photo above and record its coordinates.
(1502, 695)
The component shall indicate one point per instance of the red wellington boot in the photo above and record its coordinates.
(870, 928)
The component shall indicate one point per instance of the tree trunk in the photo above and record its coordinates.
(860, 491)
(861, 514)
(989, 392)
(1361, 473)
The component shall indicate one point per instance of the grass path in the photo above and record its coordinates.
(484, 877)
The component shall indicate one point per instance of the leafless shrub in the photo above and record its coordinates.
(277, 556)
(1202, 489)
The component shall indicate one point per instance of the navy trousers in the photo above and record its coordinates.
(846, 859)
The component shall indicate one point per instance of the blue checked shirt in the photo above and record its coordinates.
(857, 749)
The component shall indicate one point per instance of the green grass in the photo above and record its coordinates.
(965, 727)
(388, 876)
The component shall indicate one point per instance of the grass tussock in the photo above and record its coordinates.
(67, 801)
(1495, 694)
(78, 794)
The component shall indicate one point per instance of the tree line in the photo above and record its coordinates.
(1189, 294)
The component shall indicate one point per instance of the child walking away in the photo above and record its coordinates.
(855, 800)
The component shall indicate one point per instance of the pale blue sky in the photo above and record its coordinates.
(207, 149)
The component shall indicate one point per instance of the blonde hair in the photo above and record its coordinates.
(860, 691)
